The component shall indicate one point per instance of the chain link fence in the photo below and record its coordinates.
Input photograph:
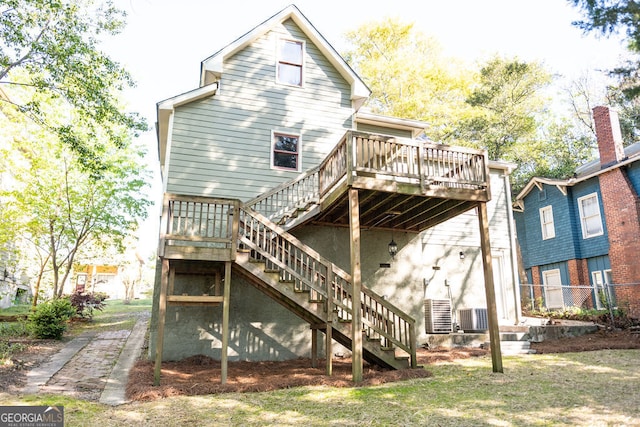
(560, 298)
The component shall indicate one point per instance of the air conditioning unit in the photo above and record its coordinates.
(473, 319)
(437, 316)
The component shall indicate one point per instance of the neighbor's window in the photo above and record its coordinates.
(590, 216)
(285, 152)
(546, 222)
(290, 62)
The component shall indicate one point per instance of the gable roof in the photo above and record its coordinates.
(212, 68)
(583, 173)
(165, 108)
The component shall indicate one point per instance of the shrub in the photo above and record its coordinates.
(84, 304)
(49, 320)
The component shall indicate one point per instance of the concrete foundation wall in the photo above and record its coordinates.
(260, 329)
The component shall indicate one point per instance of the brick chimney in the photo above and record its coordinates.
(608, 135)
(621, 205)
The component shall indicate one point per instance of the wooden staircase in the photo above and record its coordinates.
(319, 292)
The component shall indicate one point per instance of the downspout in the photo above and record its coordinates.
(514, 254)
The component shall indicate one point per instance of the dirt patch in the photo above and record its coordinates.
(600, 340)
(13, 372)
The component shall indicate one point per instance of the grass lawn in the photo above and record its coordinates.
(599, 388)
(116, 315)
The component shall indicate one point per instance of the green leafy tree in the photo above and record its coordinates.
(561, 148)
(508, 103)
(52, 46)
(622, 17)
(408, 75)
(57, 207)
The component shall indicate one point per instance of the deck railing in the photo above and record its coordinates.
(385, 157)
(200, 221)
(282, 200)
(393, 158)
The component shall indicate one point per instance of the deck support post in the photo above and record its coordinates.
(328, 347)
(356, 279)
(314, 347)
(162, 314)
(489, 287)
(225, 323)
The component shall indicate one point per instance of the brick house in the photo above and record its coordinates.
(585, 231)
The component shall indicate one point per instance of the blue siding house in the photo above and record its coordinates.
(579, 237)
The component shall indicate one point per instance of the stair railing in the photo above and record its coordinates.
(281, 201)
(309, 271)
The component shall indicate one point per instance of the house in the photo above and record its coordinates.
(286, 205)
(13, 287)
(580, 237)
(92, 278)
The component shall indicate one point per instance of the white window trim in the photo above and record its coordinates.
(304, 62)
(544, 226)
(272, 153)
(585, 235)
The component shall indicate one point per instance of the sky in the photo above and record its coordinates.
(165, 41)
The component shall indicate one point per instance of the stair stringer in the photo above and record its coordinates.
(314, 312)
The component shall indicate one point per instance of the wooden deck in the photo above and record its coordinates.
(403, 184)
(366, 182)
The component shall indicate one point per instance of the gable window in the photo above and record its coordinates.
(290, 56)
(542, 195)
(590, 216)
(285, 153)
(546, 223)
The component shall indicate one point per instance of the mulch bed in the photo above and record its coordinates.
(201, 375)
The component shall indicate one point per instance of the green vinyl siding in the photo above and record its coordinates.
(221, 146)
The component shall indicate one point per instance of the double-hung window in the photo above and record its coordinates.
(546, 223)
(590, 216)
(290, 61)
(285, 152)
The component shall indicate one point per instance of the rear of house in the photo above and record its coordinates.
(282, 196)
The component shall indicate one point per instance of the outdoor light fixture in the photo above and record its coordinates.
(461, 255)
(393, 248)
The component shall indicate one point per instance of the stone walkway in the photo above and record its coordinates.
(91, 367)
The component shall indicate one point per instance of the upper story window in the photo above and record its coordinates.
(290, 58)
(590, 216)
(546, 223)
(285, 153)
